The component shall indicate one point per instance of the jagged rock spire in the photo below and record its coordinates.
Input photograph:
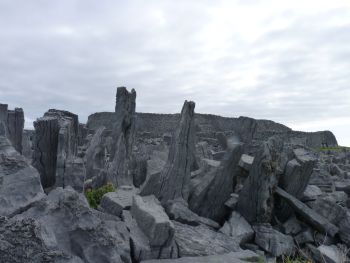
(173, 181)
(124, 130)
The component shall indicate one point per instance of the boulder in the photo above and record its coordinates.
(272, 241)
(344, 229)
(20, 185)
(173, 181)
(311, 193)
(115, 202)
(123, 138)
(193, 241)
(343, 185)
(152, 219)
(238, 228)
(246, 162)
(233, 257)
(327, 254)
(291, 226)
(45, 149)
(208, 197)
(303, 237)
(231, 203)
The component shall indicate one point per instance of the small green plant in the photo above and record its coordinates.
(336, 149)
(94, 196)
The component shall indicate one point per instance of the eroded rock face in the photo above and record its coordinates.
(15, 124)
(45, 149)
(173, 181)
(123, 134)
(19, 182)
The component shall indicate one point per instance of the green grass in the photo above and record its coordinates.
(336, 149)
(94, 196)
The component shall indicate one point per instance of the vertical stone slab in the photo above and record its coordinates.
(3, 119)
(124, 130)
(173, 181)
(45, 149)
(15, 125)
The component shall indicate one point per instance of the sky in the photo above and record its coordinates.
(288, 61)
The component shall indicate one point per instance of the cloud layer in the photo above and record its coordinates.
(287, 61)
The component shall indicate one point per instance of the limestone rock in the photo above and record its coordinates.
(19, 182)
(238, 228)
(202, 241)
(15, 125)
(45, 149)
(232, 257)
(115, 202)
(311, 193)
(208, 198)
(246, 162)
(123, 134)
(272, 241)
(173, 181)
(152, 219)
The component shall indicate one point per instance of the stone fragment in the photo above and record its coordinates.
(344, 229)
(193, 241)
(272, 241)
(343, 185)
(327, 254)
(311, 193)
(115, 202)
(246, 162)
(231, 203)
(291, 226)
(173, 181)
(308, 215)
(238, 228)
(152, 219)
(306, 236)
(217, 156)
(222, 140)
(15, 125)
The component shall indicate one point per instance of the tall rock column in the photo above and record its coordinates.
(3, 120)
(173, 181)
(124, 130)
(15, 125)
(45, 149)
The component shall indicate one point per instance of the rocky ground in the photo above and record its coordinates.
(188, 188)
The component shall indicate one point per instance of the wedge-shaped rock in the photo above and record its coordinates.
(152, 219)
(20, 185)
(272, 241)
(115, 202)
(244, 256)
(173, 181)
(307, 214)
(238, 228)
(193, 241)
(208, 197)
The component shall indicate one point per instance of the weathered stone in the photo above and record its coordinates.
(343, 185)
(238, 228)
(306, 236)
(45, 149)
(255, 201)
(291, 226)
(327, 254)
(79, 230)
(344, 229)
(233, 257)
(115, 202)
(19, 182)
(272, 241)
(178, 210)
(152, 220)
(173, 181)
(231, 203)
(123, 132)
(208, 197)
(307, 214)
(3, 120)
(222, 140)
(202, 241)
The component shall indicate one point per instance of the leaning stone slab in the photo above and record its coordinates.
(307, 214)
(243, 256)
(152, 220)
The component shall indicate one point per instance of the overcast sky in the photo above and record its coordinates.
(288, 61)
